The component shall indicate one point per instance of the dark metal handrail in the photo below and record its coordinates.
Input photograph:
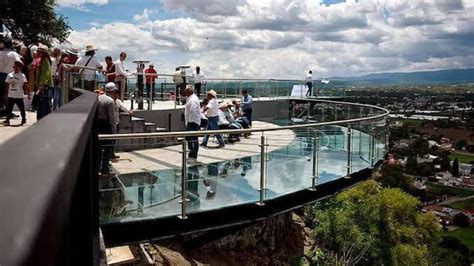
(48, 189)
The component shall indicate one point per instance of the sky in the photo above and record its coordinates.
(279, 39)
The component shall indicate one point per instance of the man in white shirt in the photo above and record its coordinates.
(199, 79)
(212, 114)
(121, 74)
(192, 119)
(7, 60)
(309, 83)
(91, 64)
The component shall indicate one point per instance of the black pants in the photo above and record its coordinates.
(19, 102)
(248, 115)
(197, 88)
(193, 141)
(150, 91)
(106, 146)
(310, 87)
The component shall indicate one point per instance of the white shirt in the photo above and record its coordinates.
(222, 119)
(199, 78)
(119, 106)
(89, 74)
(15, 81)
(7, 60)
(192, 110)
(120, 70)
(309, 78)
(54, 65)
(213, 108)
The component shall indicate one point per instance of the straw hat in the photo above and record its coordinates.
(90, 47)
(229, 103)
(43, 48)
(223, 105)
(73, 51)
(212, 92)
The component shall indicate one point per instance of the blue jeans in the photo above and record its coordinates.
(57, 100)
(212, 124)
(193, 141)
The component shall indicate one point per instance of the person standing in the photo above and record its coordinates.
(56, 62)
(44, 77)
(309, 83)
(199, 79)
(109, 69)
(121, 74)
(151, 74)
(192, 119)
(212, 113)
(93, 64)
(106, 125)
(247, 106)
(178, 82)
(16, 88)
(7, 60)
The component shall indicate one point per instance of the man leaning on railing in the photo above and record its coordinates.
(92, 64)
(106, 125)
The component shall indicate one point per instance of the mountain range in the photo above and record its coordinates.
(451, 76)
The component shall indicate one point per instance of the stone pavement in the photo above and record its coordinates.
(15, 128)
(148, 160)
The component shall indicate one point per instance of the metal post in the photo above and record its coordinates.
(184, 190)
(315, 173)
(349, 151)
(372, 148)
(262, 169)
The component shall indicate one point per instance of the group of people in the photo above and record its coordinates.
(211, 115)
(179, 79)
(35, 71)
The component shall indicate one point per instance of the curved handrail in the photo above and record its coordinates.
(239, 131)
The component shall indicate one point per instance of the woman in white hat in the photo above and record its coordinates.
(212, 113)
(89, 61)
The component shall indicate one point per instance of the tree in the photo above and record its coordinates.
(412, 166)
(376, 225)
(33, 20)
(461, 220)
(455, 168)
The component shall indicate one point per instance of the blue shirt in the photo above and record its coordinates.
(247, 102)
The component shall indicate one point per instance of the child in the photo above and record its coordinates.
(16, 87)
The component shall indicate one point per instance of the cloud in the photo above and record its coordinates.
(285, 38)
(80, 2)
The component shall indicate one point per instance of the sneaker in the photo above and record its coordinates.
(6, 123)
(23, 121)
(210, 194)
(114, 156)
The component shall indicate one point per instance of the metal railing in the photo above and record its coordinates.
(354, 126)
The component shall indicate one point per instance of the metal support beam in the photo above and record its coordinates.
(184, 174)
(263, 161)
(349, 151)
(315, 158)
(372, 146)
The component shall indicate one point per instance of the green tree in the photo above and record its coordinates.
(33, 20)
(376, 225)
(455, 168)
(412, 166)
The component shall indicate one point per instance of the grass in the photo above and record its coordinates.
(440, 190)
(465, 235)
(462, 205)
(416, 123)
(462, 157)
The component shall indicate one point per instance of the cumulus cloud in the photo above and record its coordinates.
(285, 38)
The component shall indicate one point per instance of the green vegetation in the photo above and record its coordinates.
(462, 205)
(440, 190)
(370, 224)
(462, 157)
(32, 21)
(465, 235)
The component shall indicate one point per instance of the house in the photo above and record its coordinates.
(466, 170)
(447, 179)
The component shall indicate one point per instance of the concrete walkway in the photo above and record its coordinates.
(148, 160)
(15, 128)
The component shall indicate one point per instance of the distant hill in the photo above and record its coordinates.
(452, 76)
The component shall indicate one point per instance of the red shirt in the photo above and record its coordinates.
(151, 78)
(110, 71)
